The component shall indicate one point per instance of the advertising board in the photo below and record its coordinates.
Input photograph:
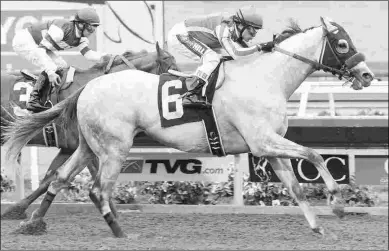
(260, 169)
(157, 168)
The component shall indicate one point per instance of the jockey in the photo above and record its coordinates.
(197, 38)
(40, 42)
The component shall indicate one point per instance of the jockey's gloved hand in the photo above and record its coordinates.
(267, 46)
(54, 79)
(105, 57)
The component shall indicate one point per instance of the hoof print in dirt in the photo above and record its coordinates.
(36, 227)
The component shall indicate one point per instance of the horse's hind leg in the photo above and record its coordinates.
(277, 146)
(109, 170)
(112, 153)
(17, 210)
(96, 200)
(80, 158)
(284, 170)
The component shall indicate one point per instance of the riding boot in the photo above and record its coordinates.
(194, 99)
(35, 103)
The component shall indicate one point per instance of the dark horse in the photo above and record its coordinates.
(15, 90)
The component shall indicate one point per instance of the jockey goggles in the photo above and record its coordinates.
(91, 27)
(252, 30)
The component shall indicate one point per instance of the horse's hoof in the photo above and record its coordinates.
(338, 210)
(117, 231)
(15, 212)
(121, 235)
(318, 230)
(328, 235)
(337, 204)
(34, 227)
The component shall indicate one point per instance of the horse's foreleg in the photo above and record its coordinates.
(64, 174)
(96, 200)
(273, 145)
(284, 170)
(17, 210)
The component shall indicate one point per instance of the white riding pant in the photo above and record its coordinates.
(180, 41)
(24, 45)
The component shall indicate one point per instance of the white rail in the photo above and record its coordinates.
(331, 88)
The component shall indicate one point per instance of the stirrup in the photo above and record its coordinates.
(48, 102)
(186, 94)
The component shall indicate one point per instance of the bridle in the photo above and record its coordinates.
(342, 72)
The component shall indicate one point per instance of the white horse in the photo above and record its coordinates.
(250, 107)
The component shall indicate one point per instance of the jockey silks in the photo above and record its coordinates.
(40, 42)
(58, 34)
(199, 37)
(216, 31)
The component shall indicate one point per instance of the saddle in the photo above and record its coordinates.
(172, 86)
(216, 78)
(50, 131)
(28, 75)
(50, 95)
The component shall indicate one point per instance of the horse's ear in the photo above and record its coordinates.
(158, 49)
(326, 22)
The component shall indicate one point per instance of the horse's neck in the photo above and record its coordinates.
(142, 62)
(145, 62)
(92, 73)
(276, 73)
(293, 71)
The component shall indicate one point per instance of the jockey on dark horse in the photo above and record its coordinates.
(40, 42)
(196, 38)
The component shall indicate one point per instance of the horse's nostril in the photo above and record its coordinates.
(367, 76)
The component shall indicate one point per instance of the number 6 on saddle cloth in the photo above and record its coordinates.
(172, 112)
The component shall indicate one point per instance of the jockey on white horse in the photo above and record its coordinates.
(197, 38)
(40, 42)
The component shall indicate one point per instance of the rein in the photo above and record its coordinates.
(318, 66)
(112, 59)
(343, 72)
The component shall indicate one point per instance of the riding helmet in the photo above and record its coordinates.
(87, 15)
(248, 15)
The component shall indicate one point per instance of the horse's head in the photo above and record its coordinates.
(165, 61)
(340, 53)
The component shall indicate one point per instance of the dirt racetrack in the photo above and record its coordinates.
(200, 231)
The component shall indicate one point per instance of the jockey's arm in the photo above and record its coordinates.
(234, 49)
(87, 52)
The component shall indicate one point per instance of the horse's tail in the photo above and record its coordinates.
(20, 131)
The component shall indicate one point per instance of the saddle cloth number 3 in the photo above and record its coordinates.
(166, 99)
(22, 97)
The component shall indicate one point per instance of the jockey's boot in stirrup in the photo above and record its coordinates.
(35, 104)
(193, 98)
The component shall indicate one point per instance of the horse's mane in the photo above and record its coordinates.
(292, 29)
(130, 55)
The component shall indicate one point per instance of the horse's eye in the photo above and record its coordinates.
(342, 46)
